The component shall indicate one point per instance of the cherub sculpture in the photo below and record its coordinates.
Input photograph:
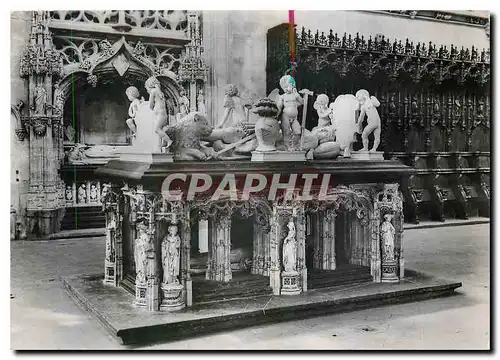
(368, 106)
(133, 95)
(321, 107)
(288, 104)
(233, 105)
(158, 105)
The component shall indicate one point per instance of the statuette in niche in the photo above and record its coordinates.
(387, 233)
(290, 249)
(170, 256)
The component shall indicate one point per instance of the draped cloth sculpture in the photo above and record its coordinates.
(290, 249)
(344, 120)
(170, 256)
(172, 290)
(290, 277)
(387, 233)
(141, 247)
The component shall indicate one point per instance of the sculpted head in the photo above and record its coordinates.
(198, 124)
(152, 83)
(172, 229)
(287, 83)
(321, 101)
(231, 90)
(132, 93)
(362, 96)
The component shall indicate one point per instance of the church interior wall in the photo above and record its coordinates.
(235, 41)
(19, 150)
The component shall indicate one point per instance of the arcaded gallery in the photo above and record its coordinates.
(235, 161)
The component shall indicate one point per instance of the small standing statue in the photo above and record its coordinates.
(290, 249)
(201, 103)
(40, 100)
(58, 100)
(133, 95)
(170, 256)
(387, 232)
(82, 194)
(142, 246)
(321, 107)
(111, 228)
(368, 106)
(234, 105)
(158, 105)
(93, 193)
(288, 104)
(184, 104)
(69, 193)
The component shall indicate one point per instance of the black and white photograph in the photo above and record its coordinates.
(249, 179)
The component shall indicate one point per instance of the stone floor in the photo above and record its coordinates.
(43, 316)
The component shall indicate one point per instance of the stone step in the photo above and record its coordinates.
(240, 287)
(337, 282)
(334, 273)
(230, 295)
(349, 274)
(82, 224)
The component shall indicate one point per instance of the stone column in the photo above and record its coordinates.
(216, 35)
(274, 251)
(317, 220)
(220, 261)
(266, 254)
(203, 236)
(376, 263)
(39, 64)
(261, 255)
(113, 262)
(301, 244)
(257, 230)
(186, 256)
(146, 246)
(329, 261)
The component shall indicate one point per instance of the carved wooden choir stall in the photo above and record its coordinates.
(434, 108)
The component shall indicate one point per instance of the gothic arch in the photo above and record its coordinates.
(99, 67)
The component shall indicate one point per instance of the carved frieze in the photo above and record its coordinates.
(418, 62)
(174, 20)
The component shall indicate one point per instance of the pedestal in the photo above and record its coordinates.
(172, 297)
(109, 273)
(389, 271)
(290, 283)
(147, 157)
(140, 295)
(278, 156)
(367, 155)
